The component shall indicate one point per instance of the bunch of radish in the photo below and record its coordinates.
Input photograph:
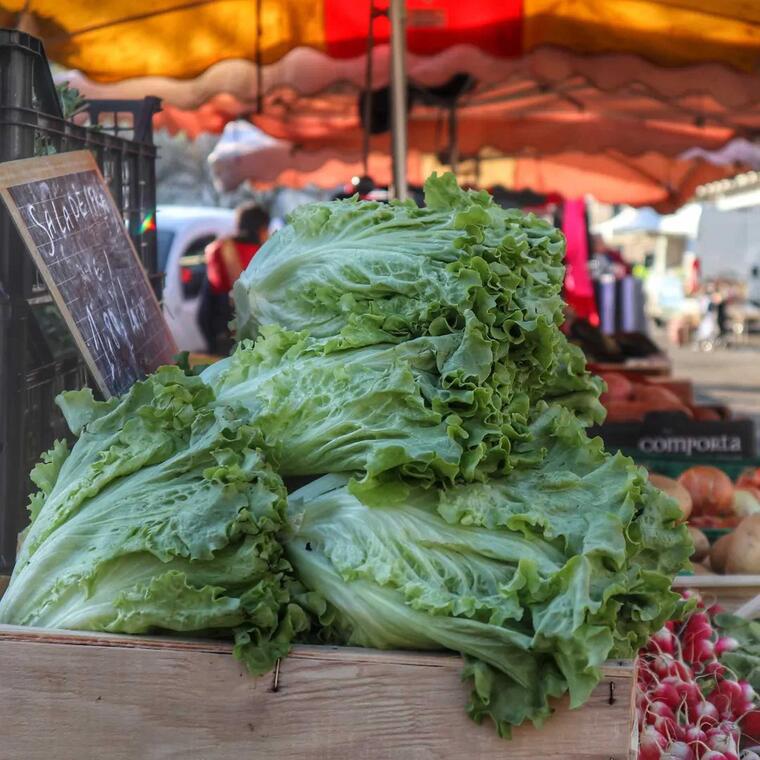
(689, 707)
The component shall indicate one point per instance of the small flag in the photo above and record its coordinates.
(149, 223)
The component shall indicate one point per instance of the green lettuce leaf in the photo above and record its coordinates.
(423, 411)
(744, 661)
(163, 516)
(363, 273)
(536, 579)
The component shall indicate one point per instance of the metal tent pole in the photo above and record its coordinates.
(398, 96)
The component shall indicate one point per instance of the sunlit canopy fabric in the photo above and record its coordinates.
(112, 40)
(631, 82)
(246, 154)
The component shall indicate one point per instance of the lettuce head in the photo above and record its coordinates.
(162, 517)
(536, 578)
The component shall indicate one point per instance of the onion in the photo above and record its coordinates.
(745, 502)
(675, 490)
(743, 554)
(712, 491)
(619, 387)
(701, 544)
(660, 398)
(719, 553)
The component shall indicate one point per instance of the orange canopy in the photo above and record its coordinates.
(627, 78)
(246, 154)
(111, 40)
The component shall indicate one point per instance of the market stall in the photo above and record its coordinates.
(392, 485)
(435, 515)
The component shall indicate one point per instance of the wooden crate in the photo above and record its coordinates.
(730, 591)
(77, 696)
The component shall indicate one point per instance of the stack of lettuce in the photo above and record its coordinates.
(413, 358)
(415, 354)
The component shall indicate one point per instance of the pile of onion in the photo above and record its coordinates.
(711, 490)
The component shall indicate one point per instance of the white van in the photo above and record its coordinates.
(183, 234)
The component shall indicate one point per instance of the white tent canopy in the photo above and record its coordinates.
(630, 219)
(684, 222)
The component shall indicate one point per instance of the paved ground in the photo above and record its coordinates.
(728, 376)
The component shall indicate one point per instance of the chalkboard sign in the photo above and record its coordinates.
(71, 226)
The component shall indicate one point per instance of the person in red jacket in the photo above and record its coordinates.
(226, 258)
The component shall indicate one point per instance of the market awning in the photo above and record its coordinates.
(642, 90)
(605, 78)
(245, 153)
(111, 40)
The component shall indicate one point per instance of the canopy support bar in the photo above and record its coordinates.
(398, 96)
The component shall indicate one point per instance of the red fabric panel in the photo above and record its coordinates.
(579, 290)
(432, 26)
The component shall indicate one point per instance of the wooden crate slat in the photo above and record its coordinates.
(74, 696)
(730, 591)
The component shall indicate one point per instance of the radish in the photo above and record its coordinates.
(687, 704)
(706, 714)
(698, 649)
(725, 644)
(722, 742)
(732, 698)
(714, 669)
(751, 724)
(651, 744)
(695, 735)
(678, 751)
(666, 692)
(663, 641)
(748, 693)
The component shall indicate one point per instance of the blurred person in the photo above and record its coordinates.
(361, 186)
(608, 260)
(718, 304)
(226, 259)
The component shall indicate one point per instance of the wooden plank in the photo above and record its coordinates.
(730, 591)
(68, 695)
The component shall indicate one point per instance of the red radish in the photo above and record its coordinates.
(663, 641)
(678, 751)
(651, 744)
(698, 650)
(748, 693)
(696, 738)
(678, 721)
(751, 725)
(732, 698)
(725, 644)
(706, 715)
(666, 692)
(722, 742)
(715, 669)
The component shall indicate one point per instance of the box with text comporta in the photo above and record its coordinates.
(81, 696)
(668, 434)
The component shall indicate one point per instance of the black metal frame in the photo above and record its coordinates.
(38, 359)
